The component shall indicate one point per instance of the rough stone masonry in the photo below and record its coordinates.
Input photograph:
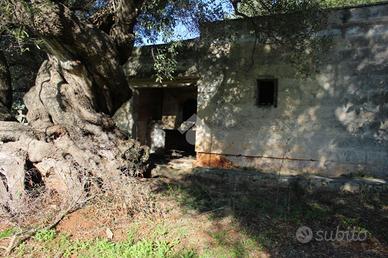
(332, 121)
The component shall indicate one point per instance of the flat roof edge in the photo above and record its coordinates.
(357, 6)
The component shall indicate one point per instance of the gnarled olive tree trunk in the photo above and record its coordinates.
(5, 89)
(70, 141)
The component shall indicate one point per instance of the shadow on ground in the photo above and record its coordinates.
(271, 214)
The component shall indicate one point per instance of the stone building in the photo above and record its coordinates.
(253, 107)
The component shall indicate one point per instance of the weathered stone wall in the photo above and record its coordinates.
(141, 75)
(333, 122)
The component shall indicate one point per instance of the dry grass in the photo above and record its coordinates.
(193, 217)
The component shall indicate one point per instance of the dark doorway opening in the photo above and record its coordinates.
(177, 143)
(189, 109)
(161, 119)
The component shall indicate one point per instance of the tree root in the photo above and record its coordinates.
(68, 144)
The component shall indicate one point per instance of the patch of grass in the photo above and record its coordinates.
(238, 249)
(131, 235)
(265, 239)
(45, 235)
(219, 252)
(349, 222)
(197, 198)
(220, 237)
(187, 254)
(249, 243)
(21, 250)
(160, 231)
(182, 232)
(49, 243)
(251, 222)
(143, 248)
(7, 233)
(316, 210)
(234, 247)
(235, 250)
(353, 223)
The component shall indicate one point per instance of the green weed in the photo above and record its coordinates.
(7, 233)
(45, 235)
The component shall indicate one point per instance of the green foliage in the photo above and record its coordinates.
(165, 62)
(7, 232)
(187, 254)
(21, 37)
(20, 34)
(45, 235)
(14, 22)
(267, 7)
(340, 3)
(50, 243)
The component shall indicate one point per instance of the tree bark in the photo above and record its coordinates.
(123, 30)
(5, 89)
(71, 140)
(80, 43)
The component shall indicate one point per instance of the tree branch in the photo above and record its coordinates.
(125, 15)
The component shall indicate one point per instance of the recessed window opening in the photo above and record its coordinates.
(267, 91)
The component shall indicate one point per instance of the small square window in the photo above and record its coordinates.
(267, 91)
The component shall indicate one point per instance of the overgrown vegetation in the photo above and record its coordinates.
(165, 61)
(270, 215)
(63, 245)
(7, 233)
(197, 217)
(341, 3)
(75, 152)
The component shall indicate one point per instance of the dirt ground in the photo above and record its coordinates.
(207, 218)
